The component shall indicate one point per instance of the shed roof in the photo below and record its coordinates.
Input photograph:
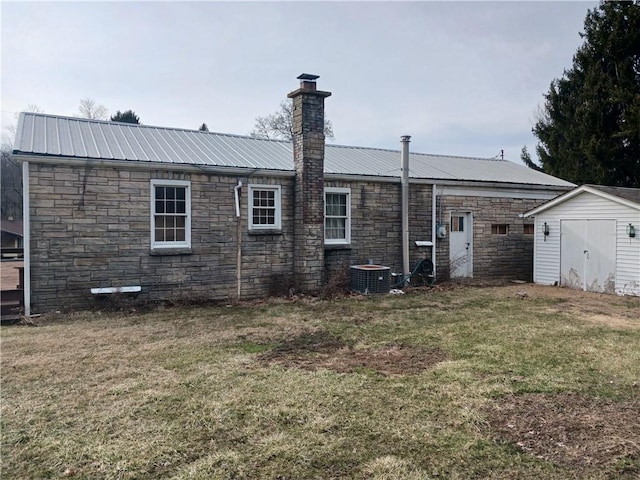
(68, 137)
(622, 195)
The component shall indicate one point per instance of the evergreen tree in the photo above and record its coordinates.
(128, 116)
(589, 129)
(526, 159)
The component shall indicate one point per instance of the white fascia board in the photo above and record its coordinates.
(499, 192)
(613, 198)
(553, 189)
(577, 191)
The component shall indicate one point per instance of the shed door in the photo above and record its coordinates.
(588, 254)
(461, 245)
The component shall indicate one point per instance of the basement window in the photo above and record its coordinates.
(500, 229)
(265, 210)
(170, 214)
(337, 216)
(529, 229)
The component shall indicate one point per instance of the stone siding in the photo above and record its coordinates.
(376, 231)
(376, 226)
(494, 256)
(90, 227)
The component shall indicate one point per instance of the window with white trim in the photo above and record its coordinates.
(337, 216)
(265, 211)
(170, 214)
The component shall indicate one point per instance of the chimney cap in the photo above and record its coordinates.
(308, 76)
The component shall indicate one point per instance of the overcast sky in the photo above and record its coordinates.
(462, 78)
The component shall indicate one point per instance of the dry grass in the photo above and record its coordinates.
(440, 383)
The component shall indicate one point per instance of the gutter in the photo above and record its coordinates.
(406, 270)
(26, 240)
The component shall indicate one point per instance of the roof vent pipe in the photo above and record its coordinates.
(404, 140)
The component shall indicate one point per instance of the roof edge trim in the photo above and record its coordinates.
(139, 165)
(577, 191)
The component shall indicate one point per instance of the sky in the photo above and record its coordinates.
(462, 78)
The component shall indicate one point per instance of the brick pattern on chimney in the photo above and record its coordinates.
(308, 156)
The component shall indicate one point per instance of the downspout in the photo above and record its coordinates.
(236, 194)
(433, 228)
(404, 140)
(26, 236)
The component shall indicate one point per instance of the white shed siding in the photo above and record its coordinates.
(588, 206)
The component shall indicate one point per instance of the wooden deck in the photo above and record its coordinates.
(9, 274)
(11, 295)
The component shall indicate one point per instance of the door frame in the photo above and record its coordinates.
(467, 263)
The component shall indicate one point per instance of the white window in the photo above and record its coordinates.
(337, 216)
(170, 214)
(264, 207)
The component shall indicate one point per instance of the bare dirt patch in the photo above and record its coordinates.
(322, 350)
(572, 430)
(602, 309)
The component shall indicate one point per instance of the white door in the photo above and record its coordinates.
(461, 245)
(588, 254)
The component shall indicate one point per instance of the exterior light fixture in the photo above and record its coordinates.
(545, 230)
(631, 230)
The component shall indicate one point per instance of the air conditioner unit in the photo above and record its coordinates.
(370, 279)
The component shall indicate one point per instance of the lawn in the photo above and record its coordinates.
(508, 382)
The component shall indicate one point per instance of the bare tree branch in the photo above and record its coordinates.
(279, 125)
(89, 109)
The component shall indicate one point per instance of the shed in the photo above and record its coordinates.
(589, 239)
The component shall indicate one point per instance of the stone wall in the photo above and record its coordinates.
(376, 226)
(376, 230)
(90, 227)
(494, 256)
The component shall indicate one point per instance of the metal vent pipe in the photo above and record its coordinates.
(404, 140)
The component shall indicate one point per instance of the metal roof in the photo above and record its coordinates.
(56, 136)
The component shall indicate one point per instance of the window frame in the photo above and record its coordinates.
(459, 220)
(347, 193)
(253, 187)
(155, 244)
(497, 227)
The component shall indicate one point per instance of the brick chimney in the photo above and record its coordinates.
(308, 159)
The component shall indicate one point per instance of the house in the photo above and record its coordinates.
(11, 232)
(589, 239)
(181, 213)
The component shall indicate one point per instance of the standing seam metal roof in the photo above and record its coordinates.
(50, 135)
